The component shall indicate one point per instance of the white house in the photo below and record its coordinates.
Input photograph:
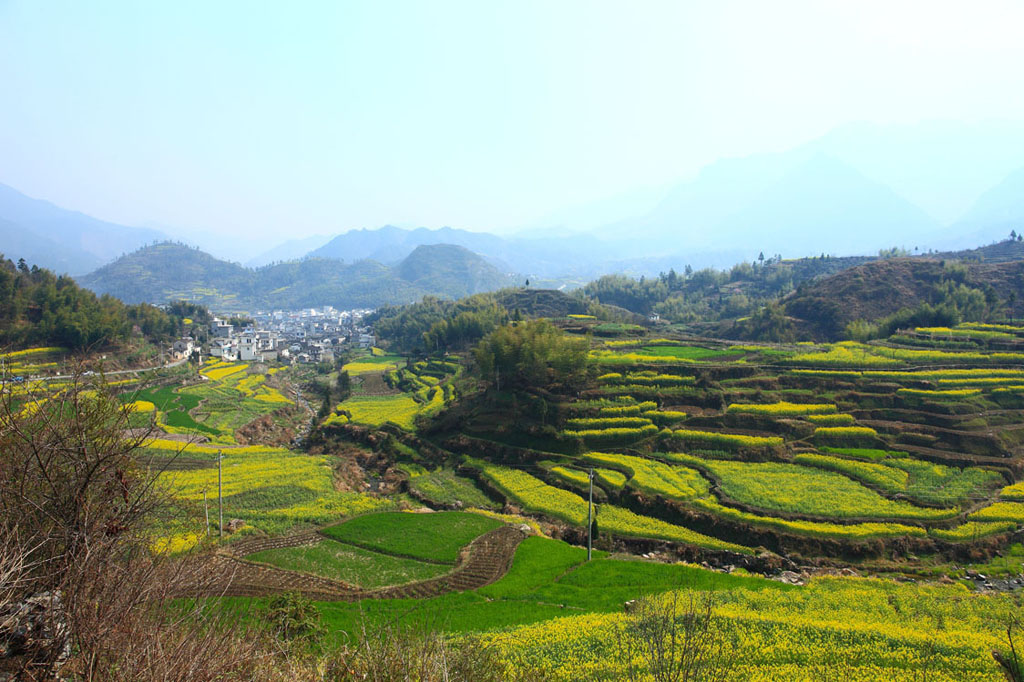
(225, 349)
(249, 349)
(220, 328)
(182, 348)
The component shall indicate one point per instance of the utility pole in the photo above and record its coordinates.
(220, 494)
(590, 515)
(206, 509)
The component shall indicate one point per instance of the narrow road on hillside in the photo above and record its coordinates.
(176, 363)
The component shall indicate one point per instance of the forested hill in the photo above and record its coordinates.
(38, 308)
(908, 292)
(170, 271)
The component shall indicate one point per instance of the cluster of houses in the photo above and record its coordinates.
(308, 335)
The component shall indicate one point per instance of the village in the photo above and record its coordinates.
(309, 335)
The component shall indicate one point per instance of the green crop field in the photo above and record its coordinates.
(535, 495)
(443, 487)
(652, 476)
(350, 564)
(682, 352)
(802, 490)
(435, 537)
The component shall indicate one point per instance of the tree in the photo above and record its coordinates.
(342, 386)
(532, 353)
(78, 504)
(673, 638)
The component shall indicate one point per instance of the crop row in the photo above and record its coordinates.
(534, 494)
(606, 422)
(1013, 492)
(983, 334)
(29, 352)
(821, 529)
(223, 371)
(621, 521)
(842, 355)
(944, 485)
(938, 394)
(657, 478)
(982, 381)
(865, 453)
(782, 409)
(665, 417)
(852, 354)
(612, 434)
(604, 357)
(625, 343)
(844, 432)
(646, 379)
(921, 481)
(796, 489)
(571, 476)
(972, 530)
(633, 410)
(886, 478)
(922, 375)
(1000, 511)
(610, 477)
(727, 439)
(831, 419)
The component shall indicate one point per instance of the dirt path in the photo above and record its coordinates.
(227, 573)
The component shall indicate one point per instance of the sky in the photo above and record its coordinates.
(280, 120)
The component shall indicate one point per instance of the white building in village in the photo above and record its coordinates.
(225, 349)
(182, 348)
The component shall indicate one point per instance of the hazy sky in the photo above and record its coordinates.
(284, 119)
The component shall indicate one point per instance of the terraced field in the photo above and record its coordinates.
(885, 455)
(387, 389)
(844, 441)
(328, 566)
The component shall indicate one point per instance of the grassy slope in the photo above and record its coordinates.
(435, 537)
(350, 564)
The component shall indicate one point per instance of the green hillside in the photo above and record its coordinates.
(170, 271)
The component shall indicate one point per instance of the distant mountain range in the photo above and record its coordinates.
(856, 190)
(61, 240)
(169, 271)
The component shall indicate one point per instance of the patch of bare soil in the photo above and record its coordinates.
(373, 384)
(270, 429)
